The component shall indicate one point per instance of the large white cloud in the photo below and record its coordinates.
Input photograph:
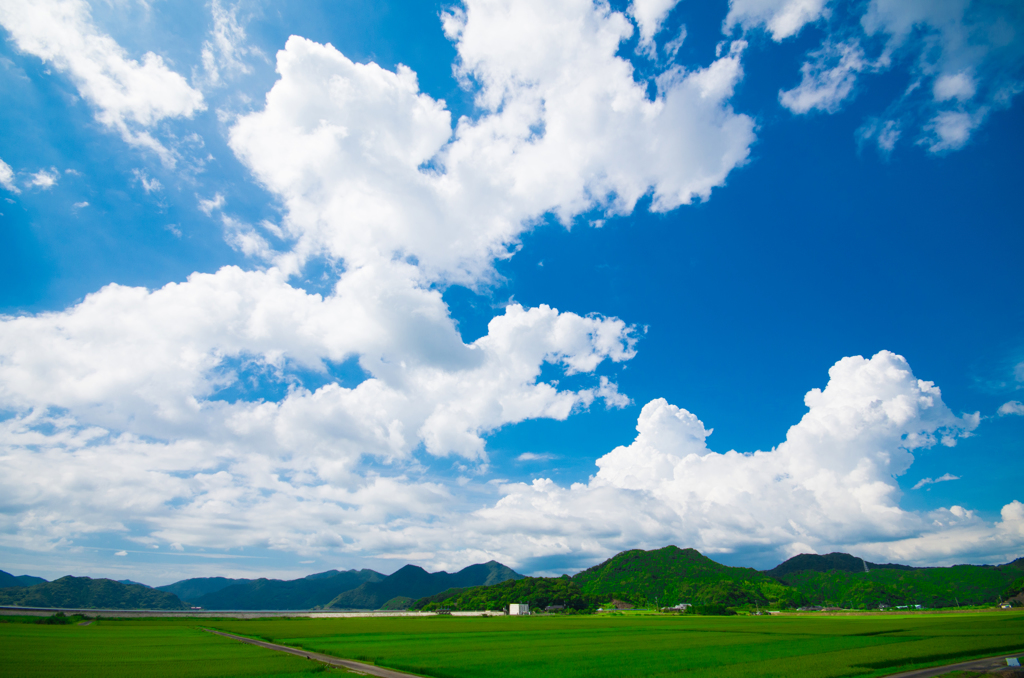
(131, 97)
(831, 485)
(368, 167)
(150, 362)
(117, 420)
(116, 397)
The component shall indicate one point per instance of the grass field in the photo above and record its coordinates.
(619, 647)
(126, 649)
(553, 647)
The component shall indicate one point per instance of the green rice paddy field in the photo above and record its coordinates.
(592, 646)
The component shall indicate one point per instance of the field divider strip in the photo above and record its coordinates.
(325, 658)
(973, 664)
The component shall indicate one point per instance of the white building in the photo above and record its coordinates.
(518, 608)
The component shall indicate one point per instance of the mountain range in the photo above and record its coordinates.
(87, 593)
(8, 580)
(671, 575)
(664, 577)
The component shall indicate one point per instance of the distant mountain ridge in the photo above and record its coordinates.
(275, 594)
(191, 589)
(672, 575)
(86, 593)
(415, 582)
(664, 576)
(8, 580)
(812, 562)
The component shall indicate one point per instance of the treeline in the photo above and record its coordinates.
(539, 592)
(669, 576)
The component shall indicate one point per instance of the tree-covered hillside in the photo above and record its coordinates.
(671, 575)
(539, 592)
(929, 587)
(86, 593)
(828, 562)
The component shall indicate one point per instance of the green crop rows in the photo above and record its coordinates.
(126, 649)
(616, 646)
(621, 646)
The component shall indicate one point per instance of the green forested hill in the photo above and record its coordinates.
(83, 592)
(829, 562)
(929, 587)
(671, 575)
(539, 592)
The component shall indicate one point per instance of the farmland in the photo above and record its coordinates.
(129, 648)
(633, 645)
(601, 645)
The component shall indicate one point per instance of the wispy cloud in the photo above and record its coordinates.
(7, 178)
(931, 481)
(533, 456)
(129, 96)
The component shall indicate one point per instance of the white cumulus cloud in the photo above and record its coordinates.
(44, 179)
(1011, 407)
(828, 486)
(370, 167)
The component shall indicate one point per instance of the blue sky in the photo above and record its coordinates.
(308, 286)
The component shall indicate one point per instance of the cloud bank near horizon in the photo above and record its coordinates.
(131, 397)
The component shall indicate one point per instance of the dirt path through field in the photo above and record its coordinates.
(326, 659)
(976, 665)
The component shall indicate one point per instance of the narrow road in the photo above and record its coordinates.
(326, 659)
(986, 664)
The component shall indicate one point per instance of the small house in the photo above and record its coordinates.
(519, 609)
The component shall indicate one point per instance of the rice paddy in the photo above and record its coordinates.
(554, 647)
